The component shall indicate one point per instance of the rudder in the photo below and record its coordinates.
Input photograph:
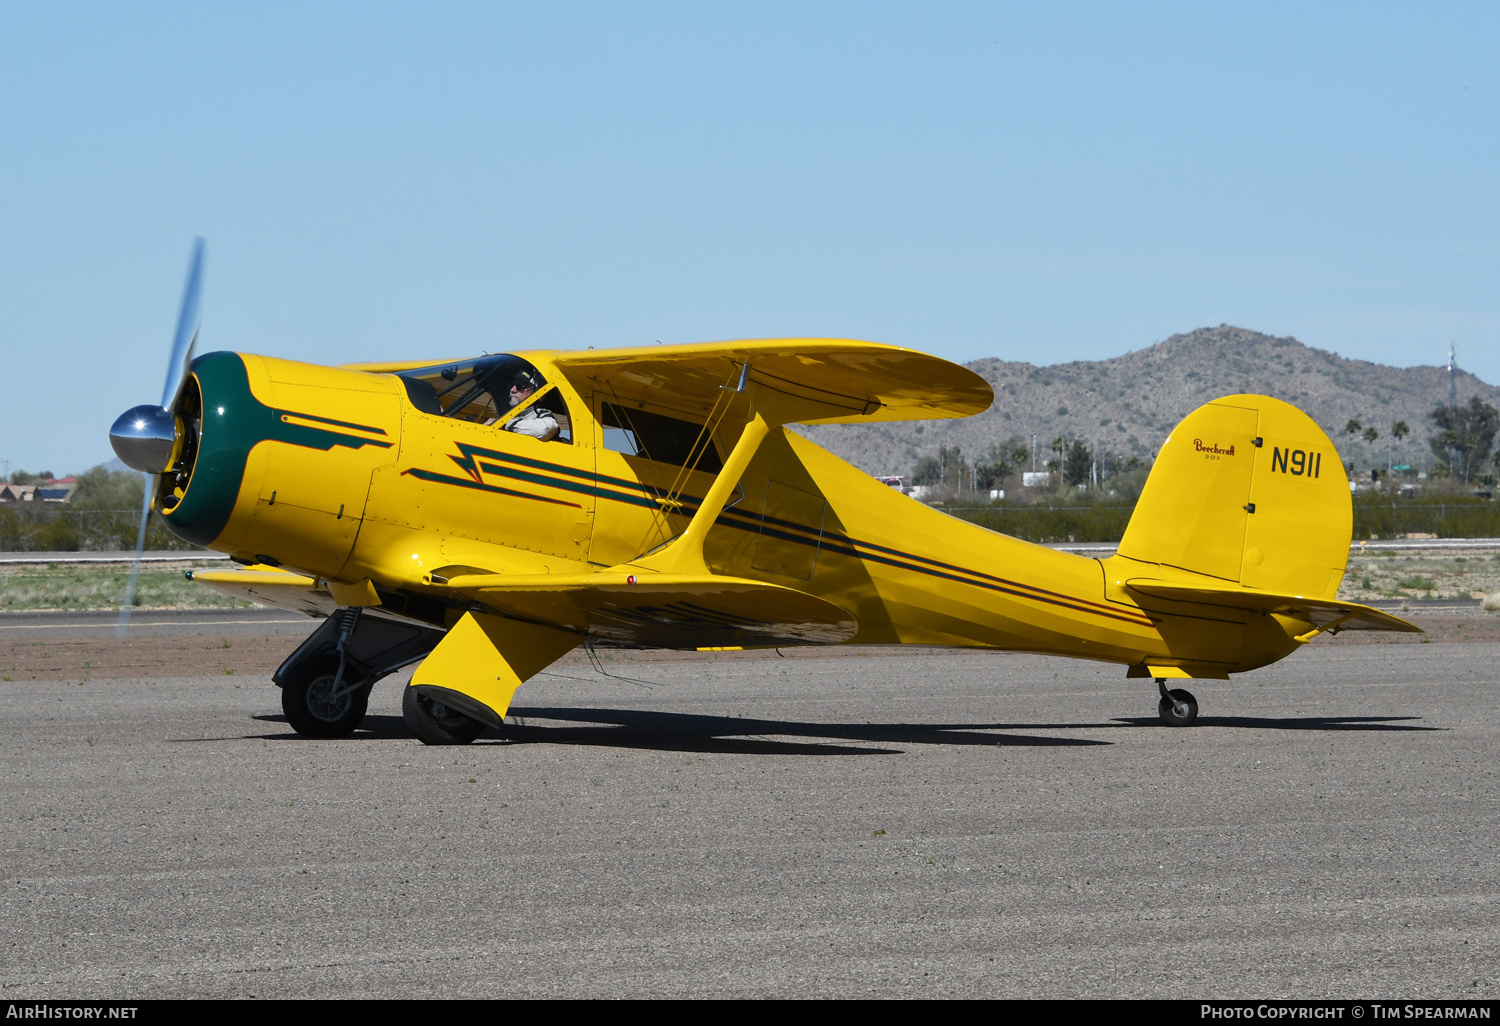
(1248, 489)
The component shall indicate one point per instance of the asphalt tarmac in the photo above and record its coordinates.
(153, 623)
(908, 824)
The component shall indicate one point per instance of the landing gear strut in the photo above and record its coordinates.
(1178, 708)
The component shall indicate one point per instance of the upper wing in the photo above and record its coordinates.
(836, 380)
(1322, 613)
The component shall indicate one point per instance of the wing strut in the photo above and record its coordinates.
(704, 440)
(685, 553)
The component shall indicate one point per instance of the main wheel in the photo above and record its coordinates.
(1180, 710)
(436, 724)
(314, 708)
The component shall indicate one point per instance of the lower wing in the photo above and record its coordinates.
(664, 610)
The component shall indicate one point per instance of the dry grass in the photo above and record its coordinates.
(79, 587)
(1472, 573)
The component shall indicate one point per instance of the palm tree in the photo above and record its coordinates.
(1353, 428)
(1370, 436)
(1399, 431)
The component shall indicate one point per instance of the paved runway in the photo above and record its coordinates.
(928, 824)
(153, 623)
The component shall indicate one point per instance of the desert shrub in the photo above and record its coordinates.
(60, 534)
(1380, 516)
(1100, 522)
(70, 530)
(12, 530)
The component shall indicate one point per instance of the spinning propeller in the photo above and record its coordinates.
(145, 437)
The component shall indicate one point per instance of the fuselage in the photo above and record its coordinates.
(340, 474)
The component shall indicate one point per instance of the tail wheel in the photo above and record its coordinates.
(436, 724)
(1178, 708)
(315, 707)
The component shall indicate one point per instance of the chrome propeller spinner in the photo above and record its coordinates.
(144, 437)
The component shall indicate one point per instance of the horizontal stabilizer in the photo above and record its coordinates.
(664, 610)
(1325, 614)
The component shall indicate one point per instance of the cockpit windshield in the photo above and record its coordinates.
(487, 391)
(473, 390)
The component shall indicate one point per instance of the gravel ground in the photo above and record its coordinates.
(913, 823)
(1394, 574)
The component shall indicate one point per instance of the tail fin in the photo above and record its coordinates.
(1248, 489)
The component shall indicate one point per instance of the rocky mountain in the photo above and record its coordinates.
(1131, 402)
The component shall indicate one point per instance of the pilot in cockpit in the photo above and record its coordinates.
(535, 421)
(486, 390)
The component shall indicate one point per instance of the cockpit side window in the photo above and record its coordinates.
(552, 402)
(659, 438)
(543, 415)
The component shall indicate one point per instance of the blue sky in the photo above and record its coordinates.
(1040, 182)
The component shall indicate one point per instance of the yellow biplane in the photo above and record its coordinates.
(485, 516)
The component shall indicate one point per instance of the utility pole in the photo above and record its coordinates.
(1033, 452)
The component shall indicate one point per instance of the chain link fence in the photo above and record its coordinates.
(1375, 517)
(1039, 523)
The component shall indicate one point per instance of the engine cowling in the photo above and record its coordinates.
(272, 458)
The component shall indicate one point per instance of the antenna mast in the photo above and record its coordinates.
(1453, 374)
(1453, 402)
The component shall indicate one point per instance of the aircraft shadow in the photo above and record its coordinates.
(633, 728)
(686, 732)
(1373, 723)
(628, 728)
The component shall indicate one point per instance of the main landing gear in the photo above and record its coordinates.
(325, 684)
(435, 723)
(320, 701)
(1178, 708)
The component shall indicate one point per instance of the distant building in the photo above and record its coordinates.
(896, 482)
(55, 491)
(58, 491)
